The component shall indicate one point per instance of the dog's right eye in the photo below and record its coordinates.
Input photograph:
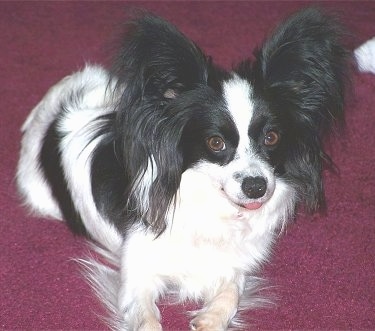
(216, 144)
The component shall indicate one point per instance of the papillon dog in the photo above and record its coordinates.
(182, 173)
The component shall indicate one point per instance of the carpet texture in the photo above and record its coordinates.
(322, 270)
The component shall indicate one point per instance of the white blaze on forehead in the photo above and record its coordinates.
(237, 93)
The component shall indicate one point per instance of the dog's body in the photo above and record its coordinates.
(185, 173)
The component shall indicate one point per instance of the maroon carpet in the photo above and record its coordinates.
(322, 271)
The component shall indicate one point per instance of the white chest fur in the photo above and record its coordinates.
(210, 240)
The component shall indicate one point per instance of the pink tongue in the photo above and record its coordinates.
(253, 205)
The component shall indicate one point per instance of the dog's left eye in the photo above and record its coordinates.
(271, 138)
(216, 144)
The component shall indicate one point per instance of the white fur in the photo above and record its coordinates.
(210, 244)
(31, 183)
(365, 56)
(143, 184)
(237, 93)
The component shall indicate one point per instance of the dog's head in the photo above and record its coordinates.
(248, 130)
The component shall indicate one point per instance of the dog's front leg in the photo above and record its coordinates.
(141, 314)
(218, 310)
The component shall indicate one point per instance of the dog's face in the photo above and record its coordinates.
(228, 141)
(247, 129)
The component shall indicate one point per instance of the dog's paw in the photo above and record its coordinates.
(207, 322)
(151, 325)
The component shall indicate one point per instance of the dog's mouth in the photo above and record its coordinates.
(253, 205)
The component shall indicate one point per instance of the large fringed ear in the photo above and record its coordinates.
(303, 67)
(301, 72)
(156, 65)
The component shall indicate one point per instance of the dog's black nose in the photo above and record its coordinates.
(254, 187)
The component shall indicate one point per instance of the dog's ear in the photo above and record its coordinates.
(302, 67)
(157, 62)
(301, 72)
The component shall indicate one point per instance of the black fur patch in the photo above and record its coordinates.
(50, 160)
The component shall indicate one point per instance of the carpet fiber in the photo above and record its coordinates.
(322, 270)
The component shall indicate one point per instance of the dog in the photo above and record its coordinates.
(181, 173)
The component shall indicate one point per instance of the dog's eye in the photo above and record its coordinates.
(271, 138)
(216, 144)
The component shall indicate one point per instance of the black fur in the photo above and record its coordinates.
(50, 160)
(299, 78)
(156, 67)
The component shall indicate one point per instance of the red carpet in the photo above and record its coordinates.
(323, 269)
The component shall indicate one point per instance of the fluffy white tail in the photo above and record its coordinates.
(101, 269)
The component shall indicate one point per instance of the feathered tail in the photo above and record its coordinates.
(101, 269)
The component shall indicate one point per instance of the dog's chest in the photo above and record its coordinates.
(197, 263)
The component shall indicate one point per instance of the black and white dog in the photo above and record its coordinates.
(183, 173)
